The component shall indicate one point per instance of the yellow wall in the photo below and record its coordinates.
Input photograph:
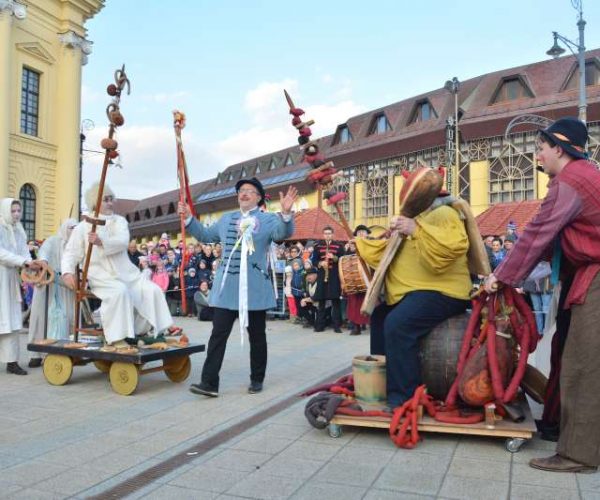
(49, 161)
(479, 180)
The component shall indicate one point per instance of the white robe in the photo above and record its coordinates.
(13, 254)
(117, 282)
(51, 251)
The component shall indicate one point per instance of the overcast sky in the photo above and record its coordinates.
(225, 64)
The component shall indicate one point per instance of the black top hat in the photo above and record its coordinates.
(361, 227)
(256, 183)
(570, 134)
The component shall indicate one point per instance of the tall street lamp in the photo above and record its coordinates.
(556, 50)
(453, 86)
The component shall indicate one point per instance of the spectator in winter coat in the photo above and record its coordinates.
(192, 284)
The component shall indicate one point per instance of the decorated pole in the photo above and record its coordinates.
(185, 196)
(110, 145)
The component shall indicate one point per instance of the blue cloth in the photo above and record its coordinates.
(270, 227)
(396, 331)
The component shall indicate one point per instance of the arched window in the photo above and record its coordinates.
(27, 197)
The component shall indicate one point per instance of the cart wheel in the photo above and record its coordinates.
(58, 369)
(335, 430)
(102, 365)
(177, 369)
(513, 445)
(123, 377)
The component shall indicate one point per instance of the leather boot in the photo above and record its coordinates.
(355, 330)
(557, 463)
(15, 369)
(35, 362)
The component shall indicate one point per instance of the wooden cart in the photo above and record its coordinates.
(516, 434)
(124, 370)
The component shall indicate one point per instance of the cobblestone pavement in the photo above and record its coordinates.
(82, 439)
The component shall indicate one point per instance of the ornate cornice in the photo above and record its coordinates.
(72, 40)
(13, 8)
(36, 50)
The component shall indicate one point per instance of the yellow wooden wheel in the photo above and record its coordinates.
(177, 369)
(58, 369)
(102, 365)
(124, 377)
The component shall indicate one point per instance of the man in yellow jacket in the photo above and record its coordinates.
(426, 283)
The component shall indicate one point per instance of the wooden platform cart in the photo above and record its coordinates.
(516, 434)
(123, 369)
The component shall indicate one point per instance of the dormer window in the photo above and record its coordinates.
(289, 161)
(230, 177)
(592, 75)
(343, 135)
(423, 112)
(147, 214)
(511, 89)
(171, 208)
(136, 216)
(380, 125)
(244, 173)
(272, 165)
(257, 171)
(219, 179)
(158, 212)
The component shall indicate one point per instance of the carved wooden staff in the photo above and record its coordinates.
(185, 196)
(110, 145)
(418, 193)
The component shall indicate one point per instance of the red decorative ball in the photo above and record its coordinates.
(111, 89)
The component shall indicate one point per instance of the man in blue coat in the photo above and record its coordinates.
(242, 287)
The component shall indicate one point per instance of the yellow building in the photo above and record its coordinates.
(42, 50)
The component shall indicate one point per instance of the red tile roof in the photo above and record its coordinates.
(309, 225)
(495, 219)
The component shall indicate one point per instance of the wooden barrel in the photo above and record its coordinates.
(439, 354)
(369, 378)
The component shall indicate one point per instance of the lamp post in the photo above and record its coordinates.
(556, 50)
(453, 86)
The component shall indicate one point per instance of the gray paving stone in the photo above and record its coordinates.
(473, 488)
(314, 451)
(240, 460)
(168, 492)
(375, 494)
(360, 474)
(312, 490)
(523, 474)
(423, 482)
(322, 436)
(208, 479)
(292, 467)
(373, 438)
(353, 453)
(415, 461)
(263, 442)
(530, 492)
(287, 431)
(437, 443)
(480, 468)
(31, 472)
(32, 494)
(590, 495)
(589, 482)
(73, 481)
(264, 486)
(482, 447)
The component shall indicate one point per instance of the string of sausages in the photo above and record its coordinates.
(524, 331)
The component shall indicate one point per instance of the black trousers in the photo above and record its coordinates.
(336, 315)
(223, 320)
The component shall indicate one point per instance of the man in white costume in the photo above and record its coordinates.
(130, 304)
(13, 255)
(60, 298)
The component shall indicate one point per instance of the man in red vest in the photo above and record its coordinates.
(571, 213)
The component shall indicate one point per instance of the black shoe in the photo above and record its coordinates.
(255, 387)
(35, 362)
(337, 330)
(319, 330)
(355, 332)
(204, 390)
(15, 369)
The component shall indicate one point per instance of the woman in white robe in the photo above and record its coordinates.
(130, 304)
(13, 255)
(51, 252)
